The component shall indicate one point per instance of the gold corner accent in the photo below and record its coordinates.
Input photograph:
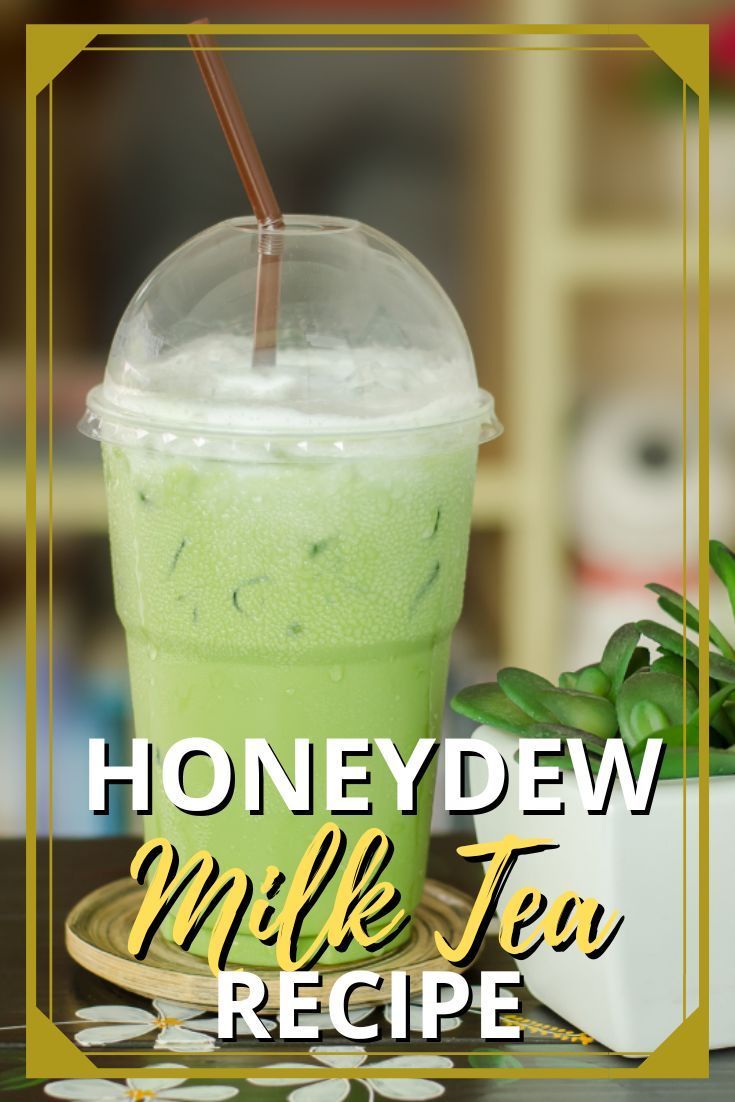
(51, 47)
(684, 1054)
(684, 47)
(50, 1053)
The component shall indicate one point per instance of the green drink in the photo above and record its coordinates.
(312, 600)
(293, 585)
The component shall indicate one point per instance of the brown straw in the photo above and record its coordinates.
(255, 180)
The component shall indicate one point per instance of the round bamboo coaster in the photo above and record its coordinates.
(97, 931)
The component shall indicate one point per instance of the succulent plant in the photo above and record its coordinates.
(646, 684)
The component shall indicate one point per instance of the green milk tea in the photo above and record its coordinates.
(290, 599)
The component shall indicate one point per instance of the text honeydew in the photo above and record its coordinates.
(260, 760)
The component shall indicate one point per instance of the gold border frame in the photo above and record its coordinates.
(50, 48)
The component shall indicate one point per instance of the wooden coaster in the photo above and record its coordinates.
(97, 931)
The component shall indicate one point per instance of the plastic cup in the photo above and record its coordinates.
(289, 543)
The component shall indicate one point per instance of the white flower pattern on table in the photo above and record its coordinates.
(178, 1028)
(137, 1090)
(355, 1056)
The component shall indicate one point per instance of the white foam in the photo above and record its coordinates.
(212, 383)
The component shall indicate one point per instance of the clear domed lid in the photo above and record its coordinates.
(366, 341)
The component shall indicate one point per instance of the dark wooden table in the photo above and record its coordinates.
(80, 866)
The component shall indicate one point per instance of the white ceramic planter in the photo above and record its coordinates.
(631, 997)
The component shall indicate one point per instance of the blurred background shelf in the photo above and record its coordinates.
(78, 501)
(636, 256)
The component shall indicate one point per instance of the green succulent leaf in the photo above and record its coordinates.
(647, 719)
(629, 690)
(722, 562)
(617, 655)
(525, 689)
(721, 762)
(593, 743)
(488, 703)
(718, 718)
(590, 679)
(584, 711)
(641, 660)
(674, 736)
(716, 740)
(673, 603)
(664, 697)
(721, 725)
(672, 641)
(674, 664)
(721, 669)
(719, 699)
